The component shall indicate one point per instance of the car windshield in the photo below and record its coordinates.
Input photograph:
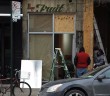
(93, 72)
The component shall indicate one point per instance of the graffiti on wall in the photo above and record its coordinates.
(79, 39)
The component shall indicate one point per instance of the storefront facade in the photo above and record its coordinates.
(46, 25)
(51, 24)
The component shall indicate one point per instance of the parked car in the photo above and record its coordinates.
(94, 83)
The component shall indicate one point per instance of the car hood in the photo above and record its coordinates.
(60, 81)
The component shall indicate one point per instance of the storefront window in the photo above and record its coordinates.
(40, 23)
(41, 49)
(47, 32)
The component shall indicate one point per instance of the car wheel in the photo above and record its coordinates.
(75, 93)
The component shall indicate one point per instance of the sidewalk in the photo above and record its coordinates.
(34, 93)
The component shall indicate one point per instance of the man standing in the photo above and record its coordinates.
(81, 61)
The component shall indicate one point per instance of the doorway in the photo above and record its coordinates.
(65, 43)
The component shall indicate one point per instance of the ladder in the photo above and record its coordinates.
(99, 39)
(55, 64)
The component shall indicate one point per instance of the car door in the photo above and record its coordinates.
(102, 87)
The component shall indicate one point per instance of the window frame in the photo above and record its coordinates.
(52, 33)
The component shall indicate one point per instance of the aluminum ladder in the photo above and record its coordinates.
(55, 64)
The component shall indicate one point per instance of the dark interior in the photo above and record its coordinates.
(102, 15)
(10, 41)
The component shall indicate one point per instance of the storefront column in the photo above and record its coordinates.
(88, 29)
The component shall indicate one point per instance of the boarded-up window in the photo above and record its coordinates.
(64, 23)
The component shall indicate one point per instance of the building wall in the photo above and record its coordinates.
(41, 6)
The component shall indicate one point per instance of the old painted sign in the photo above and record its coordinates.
(44, 8)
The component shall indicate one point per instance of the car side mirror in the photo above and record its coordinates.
(100, 77)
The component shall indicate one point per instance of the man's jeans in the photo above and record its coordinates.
(81, 71)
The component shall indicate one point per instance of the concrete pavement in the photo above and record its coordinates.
(34, 92)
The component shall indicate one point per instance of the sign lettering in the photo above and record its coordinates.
(44, 8)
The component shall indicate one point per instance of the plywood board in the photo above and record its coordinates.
(64, 23)
(88, 27)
